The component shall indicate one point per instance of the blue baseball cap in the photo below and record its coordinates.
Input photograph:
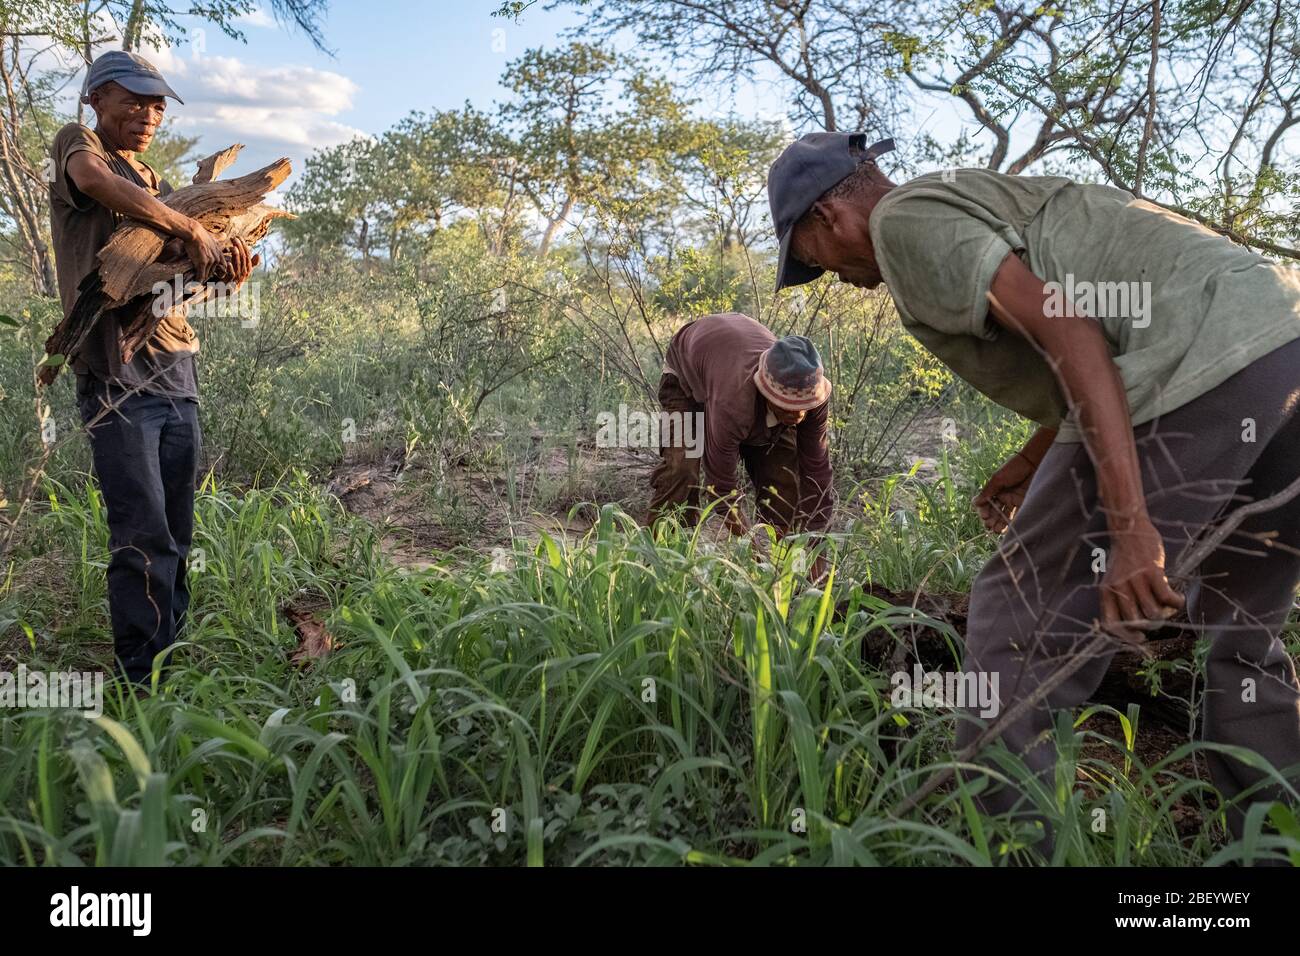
(800, 176)
(129, 70)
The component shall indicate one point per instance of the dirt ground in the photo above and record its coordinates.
(474, 506)
(424, 516)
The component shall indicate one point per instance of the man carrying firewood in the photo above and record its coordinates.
(763, 401)
(142, 415)
(1162, 363)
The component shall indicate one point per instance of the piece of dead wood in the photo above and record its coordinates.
(213, 166)
(132, 264)
(314, 642)
(914, 632)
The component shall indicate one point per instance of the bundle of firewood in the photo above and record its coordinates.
(132, 262)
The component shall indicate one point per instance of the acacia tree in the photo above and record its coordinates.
(1190, 103)
(155, 22)
(453, 164)
(589, 126)
(722, 172)
(830, 54)
(376, 197)
(1193, 103)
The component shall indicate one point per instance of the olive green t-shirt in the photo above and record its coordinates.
(1181, 308)
(80, 226)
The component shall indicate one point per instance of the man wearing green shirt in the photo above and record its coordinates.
(1162, 363)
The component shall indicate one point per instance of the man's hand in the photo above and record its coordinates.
(1004, 493)
(203, 249)
(1135, 587)
(237, 264)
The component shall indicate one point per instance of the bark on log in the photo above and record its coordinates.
(134, 247)
(214, 165)
(130, 265)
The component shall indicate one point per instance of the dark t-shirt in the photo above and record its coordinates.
(80, 226)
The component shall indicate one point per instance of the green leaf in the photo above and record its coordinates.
(1284, 818)
(130, 747)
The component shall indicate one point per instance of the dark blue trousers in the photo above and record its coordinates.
(146, 453)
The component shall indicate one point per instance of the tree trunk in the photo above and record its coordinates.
(552, 226)
(134, 28)
(24, 204)
(87, 49)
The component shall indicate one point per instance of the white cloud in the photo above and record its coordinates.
(290, 131)
(281, 110)
(257, 18)
(223, 79)
(275, 110)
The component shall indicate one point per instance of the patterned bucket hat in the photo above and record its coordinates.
(790, 376)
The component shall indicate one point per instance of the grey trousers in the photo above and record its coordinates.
(1037, 599)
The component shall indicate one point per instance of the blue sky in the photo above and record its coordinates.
(405, 54)
(280, 96)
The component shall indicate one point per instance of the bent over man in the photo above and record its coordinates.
(1161, 362)
(763, 401)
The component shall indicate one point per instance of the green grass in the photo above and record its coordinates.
(611, 700)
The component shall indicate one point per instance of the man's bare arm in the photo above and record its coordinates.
(1006, 488)
(1038, 444)
(1135, 585)
(93, 177)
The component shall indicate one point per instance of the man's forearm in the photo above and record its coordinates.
(1076, 348)
(1034, 449)
(1094, 382)
(130, 201)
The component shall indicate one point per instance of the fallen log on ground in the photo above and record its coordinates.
(132, 263)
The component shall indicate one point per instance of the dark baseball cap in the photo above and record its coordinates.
(807, 168)
(129, 70)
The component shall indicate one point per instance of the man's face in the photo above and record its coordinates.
(130, 118)
(787, 416)
(836, 238)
